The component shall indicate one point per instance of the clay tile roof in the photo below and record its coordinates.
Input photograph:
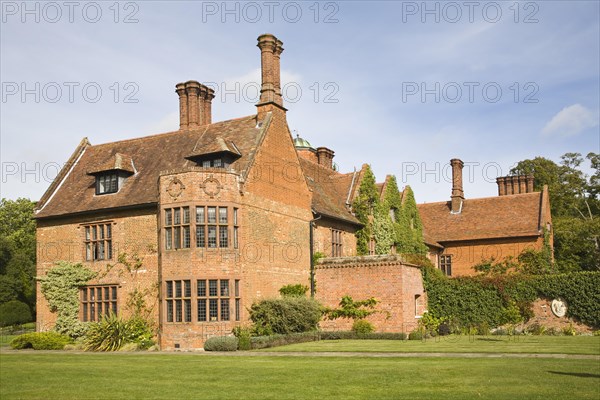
(329, 190)
(118, 161)
(74, 190)
(492, 217)
(211, 145)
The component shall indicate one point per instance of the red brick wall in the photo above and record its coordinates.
(386, 278)
(274, 214)
(322, 236)
(465, 255)
(133, 231)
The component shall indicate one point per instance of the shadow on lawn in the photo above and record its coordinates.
(581, 375)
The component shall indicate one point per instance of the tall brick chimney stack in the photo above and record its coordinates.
(194, 104)
(270, 59)
(325, 157)
(458, 195)
(514, 184)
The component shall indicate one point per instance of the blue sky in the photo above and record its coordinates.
(404, 86)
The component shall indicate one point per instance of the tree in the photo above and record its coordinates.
(17, 251)
(575, 207)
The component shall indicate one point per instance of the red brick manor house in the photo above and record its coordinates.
(224, 213)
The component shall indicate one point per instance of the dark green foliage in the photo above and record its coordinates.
(363, 206)
(395, 221)
(285, 315)
(113, 332)
(362, 326)
(444, 329)
(221, 343)
(575, 203)
(351, 309)
(501, 299)
(40, 341)
(350, 335)
(263, 342)
(17, 251)
(14, 312)
(415, 335)
(244, 335)
(297, 290)
(409, 228)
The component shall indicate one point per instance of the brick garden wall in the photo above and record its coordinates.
(398, 287)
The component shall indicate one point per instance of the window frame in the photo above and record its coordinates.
(112, 178)
(337, 242)
(208, 300)
(446, 264)
(92, 307)
(98, 241)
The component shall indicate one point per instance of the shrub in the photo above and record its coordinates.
(221, 343)
(444, 329)
(536, 329)
(113, 332)
(244, 335)
(297, 290)
(41, 341)
(415, 335)
(262, 342)
(362, 326)
(284, 316)
(14, 312)
(569, 330)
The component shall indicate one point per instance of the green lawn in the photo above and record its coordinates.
(459, 344)
(30, 375)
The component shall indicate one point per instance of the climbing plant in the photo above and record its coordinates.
(409, 228)
(60, 287)
(363, 208)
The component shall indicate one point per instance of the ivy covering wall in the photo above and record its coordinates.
(501, 299)
(392, 220)
(60, 286)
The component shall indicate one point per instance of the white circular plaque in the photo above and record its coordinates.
(559, 307)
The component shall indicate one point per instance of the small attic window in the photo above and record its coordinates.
(107, 183)
(215, 163)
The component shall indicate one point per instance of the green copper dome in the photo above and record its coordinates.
(299, 142)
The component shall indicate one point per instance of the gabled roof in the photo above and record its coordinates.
(208, 145)
(74, 190)
(118, 162)
(330, 190)
(516, 215)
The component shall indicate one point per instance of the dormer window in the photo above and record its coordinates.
(111, 174)
(214, 153)
(107, 183)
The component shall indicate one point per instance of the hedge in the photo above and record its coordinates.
(493, 301)
(285, 315)
(221, 343)
(40, 341)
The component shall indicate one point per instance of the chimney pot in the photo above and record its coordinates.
(457, 186)
(515, 184)
(325, 157)
(530, 181)
(522, 184)
(501, 186)
(183, 105)
(270, 52)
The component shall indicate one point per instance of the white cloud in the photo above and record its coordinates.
(571, 121)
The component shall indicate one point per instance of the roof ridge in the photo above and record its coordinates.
(155, 135)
